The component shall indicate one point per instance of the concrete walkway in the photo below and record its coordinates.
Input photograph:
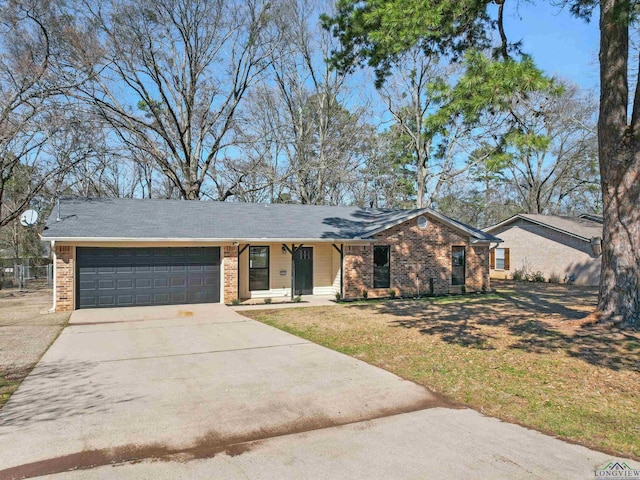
(202, 392)
(285, 302)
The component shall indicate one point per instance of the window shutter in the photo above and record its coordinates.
(506, 259)
(492, 259)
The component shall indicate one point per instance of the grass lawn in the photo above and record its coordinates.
(525, 354)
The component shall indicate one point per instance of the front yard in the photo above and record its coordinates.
(525, 354)
(25, 334)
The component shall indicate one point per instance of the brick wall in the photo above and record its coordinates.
(419, 258)
(64, 278)
(230, 266)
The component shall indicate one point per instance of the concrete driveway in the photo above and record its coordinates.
(215, 395)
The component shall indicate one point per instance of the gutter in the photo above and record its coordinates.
(207, 240)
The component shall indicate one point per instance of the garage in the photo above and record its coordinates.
(127, 277)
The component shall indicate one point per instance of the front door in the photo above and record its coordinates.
(304, 271)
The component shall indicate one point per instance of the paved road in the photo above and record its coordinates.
(216, 395)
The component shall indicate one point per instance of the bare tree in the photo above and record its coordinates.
(37, 51)
(172, 76)
(553, 155)
(306, 117)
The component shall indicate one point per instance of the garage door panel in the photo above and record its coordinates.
(160, 282)
(107, 284)
(125, 283)
(109, 277)
(143, 283)
(125, 300)
(142, 299)
(106, 300)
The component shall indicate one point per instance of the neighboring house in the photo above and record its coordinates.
(124, 252)
(568, 248)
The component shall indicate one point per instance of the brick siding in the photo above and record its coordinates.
(64, 278)
(419, 258)
(230, 265)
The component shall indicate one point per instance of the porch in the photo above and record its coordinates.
(270, 270)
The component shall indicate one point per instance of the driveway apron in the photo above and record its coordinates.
(121, 384)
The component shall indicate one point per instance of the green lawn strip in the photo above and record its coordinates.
(7, 387)
(547, 391)
(437, 300)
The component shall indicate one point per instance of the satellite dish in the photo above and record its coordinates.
(29, 218)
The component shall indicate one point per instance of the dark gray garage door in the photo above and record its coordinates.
(124, 277)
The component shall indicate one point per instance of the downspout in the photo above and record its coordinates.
(342, 271)
(55, 273)
(293, 271)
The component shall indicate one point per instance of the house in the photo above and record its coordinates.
(567, 248)
(126, 252)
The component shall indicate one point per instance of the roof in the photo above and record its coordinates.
(111, 219)
(594, 217)
(580, 227)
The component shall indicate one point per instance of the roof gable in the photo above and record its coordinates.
(579, 227)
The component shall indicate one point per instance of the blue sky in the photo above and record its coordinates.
(559, 43)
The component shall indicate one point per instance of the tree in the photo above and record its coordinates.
(388, 177)
(377, 31)
(171, 77)
(37, 48)
(553, 153)
(303, 117)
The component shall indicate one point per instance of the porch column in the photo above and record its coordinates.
(230, 273)
(293, 250)
(341, 252)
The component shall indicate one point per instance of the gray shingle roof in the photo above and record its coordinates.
(580, 227)
(111, 218)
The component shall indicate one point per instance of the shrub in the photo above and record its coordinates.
(267, 301)
(554, 278)
(392, 293)
(524, 274)
(235, 301)
(463, 289)
(338, 297)
(365, 293)
(537, 277)
(297, 299)
(519, 275)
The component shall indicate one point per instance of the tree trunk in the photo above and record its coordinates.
(619, 151)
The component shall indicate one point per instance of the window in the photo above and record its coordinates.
(499, 259)
(258, 268)
(457, 265)
(381, 270)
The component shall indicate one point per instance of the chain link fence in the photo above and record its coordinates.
(26, 276)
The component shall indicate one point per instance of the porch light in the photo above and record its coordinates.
(284, 250)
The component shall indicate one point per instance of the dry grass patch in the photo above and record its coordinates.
(525, 355)
(25, 334)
